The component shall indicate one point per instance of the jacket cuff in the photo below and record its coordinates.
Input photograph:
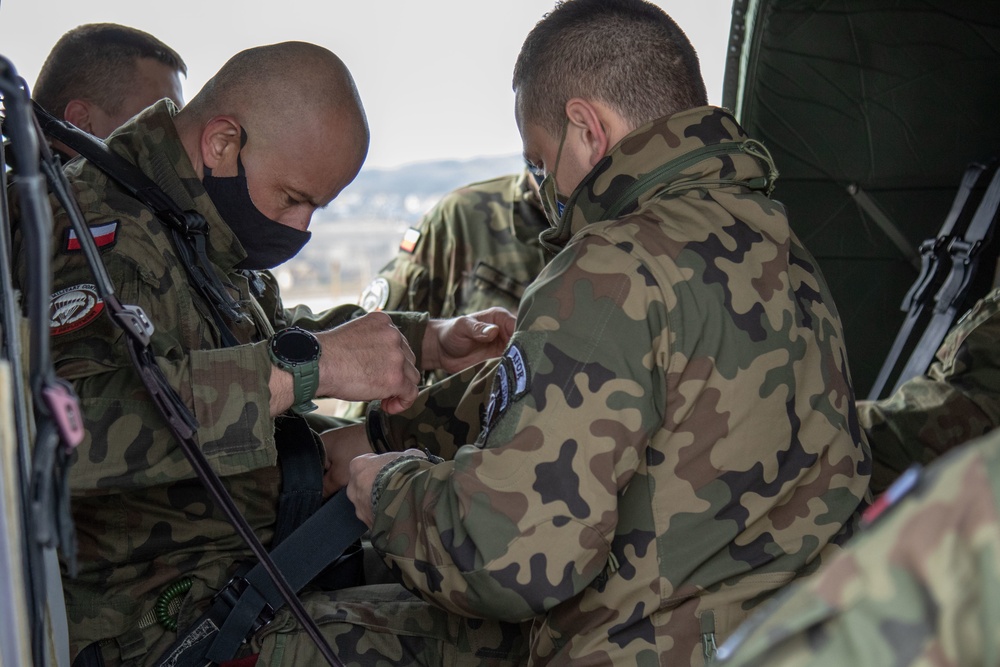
(387, 471)
(413, 326)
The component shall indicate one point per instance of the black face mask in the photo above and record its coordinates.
(267, 243)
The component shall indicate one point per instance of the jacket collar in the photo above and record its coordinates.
(151, 141)
(696, 148)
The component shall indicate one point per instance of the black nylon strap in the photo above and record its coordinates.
(247, 604)
(301, 474)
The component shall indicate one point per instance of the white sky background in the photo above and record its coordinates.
(434, 75)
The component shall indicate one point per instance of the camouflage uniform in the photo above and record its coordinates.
(669, 438)
(917, 588)
(476, 249)
(957, 400)
(143, 519)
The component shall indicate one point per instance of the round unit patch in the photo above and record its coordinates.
(376, 295)
(73, 308)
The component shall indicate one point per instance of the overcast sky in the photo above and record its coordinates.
(434, 75)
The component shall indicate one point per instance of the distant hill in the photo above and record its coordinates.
(405, 193)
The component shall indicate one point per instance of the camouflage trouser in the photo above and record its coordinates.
(384, 624)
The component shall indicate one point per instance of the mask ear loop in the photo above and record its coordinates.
(239, 158)
(562, 142)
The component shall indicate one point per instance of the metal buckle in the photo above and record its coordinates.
(231, 593)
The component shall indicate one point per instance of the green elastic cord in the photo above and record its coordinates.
(162, 606)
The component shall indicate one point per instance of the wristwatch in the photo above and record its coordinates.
(297, 351)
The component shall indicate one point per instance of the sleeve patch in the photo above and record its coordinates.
(511, 382)
(73, 308)
(105, 237)
(376, 295)
(410, 238)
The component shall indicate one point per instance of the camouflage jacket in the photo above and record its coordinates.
(669, 437)
(956, 400)
(918, 587)
(476, 249)
(143, 518)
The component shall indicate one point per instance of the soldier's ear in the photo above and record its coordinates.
(220, 145)
(78, 113)
(587, 127)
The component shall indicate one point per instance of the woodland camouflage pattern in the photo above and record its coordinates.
(956, 400)
(670, 437)
(919, 587)
(142, 517)
(478, 248)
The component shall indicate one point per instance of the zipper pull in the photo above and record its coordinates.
(707, 620)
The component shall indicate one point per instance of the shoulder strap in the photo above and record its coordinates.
(189, 229)
(248, 603)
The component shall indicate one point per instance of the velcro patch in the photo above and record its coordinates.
(73, 308)
(511, 382)
(410, 238)
(105, 237)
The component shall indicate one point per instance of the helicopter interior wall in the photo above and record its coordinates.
(897, 97)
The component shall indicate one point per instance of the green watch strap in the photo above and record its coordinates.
(297, 351)
(305, 380)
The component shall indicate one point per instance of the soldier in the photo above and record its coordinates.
(477, 248)
(956, 400)
(671, 435)
(917, 588)
(99, 75)
(278, 132)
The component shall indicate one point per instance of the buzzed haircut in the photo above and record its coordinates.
(97, 62)
(627, 54)
(265, 85)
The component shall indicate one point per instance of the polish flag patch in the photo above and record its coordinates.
(410, 239)
(74, 308)
(104, 235)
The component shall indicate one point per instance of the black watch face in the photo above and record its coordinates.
(295, 346)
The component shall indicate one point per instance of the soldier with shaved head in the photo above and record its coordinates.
(276, 134)
(671, 435)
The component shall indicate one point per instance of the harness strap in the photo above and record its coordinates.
(247, 604)
(301, 474)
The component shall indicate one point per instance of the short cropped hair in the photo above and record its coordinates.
(97, 62)
(627, 54)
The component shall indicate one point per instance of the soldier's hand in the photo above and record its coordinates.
(364, 470)
(340, 446)
(455, 344)
(368, 359)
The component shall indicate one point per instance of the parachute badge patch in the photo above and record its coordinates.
(74, 308)
(410, 238)
(105, 237)
(376, 295)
